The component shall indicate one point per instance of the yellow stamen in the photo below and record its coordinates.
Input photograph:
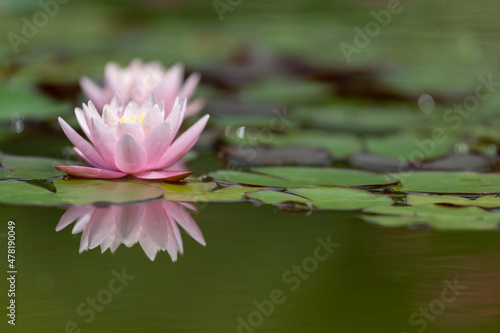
(132, 119)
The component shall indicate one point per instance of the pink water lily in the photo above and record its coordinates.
(153, 224)
(131, 140)
(138, 80)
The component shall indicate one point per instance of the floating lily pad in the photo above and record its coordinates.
(28, 167)
(203, 192)
(301, 176)
(448, 182)
(76, 192)
(488, 201)
(439, 217)
(334, 198)
(274, 197)
(341, 198)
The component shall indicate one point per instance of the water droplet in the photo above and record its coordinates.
(426, 103)
(461, 148)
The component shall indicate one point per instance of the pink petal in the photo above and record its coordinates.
(194, 108)
(170, 176)
(112, 77)
(168, 87)
(87, 172)
(132, 128)
(93, 92)
(130, 155)
(106, 141)
(176, 115)
(87, 160)
(110, 117)
(132, 110)
(148, 103)
(117, 104)
(183, 144)
(83, 145)
(190, 86)
(157, 142)
(152, 119)
(80, 116)
(91, 110)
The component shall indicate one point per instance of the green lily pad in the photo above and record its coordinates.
(28, 167)
(341, 198)
(203, 192)
(76, 192)
(488, 201)
(272, 197)
(334, 198)
(301, 176)
(448, 182)
(439, 217)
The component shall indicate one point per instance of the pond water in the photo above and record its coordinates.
(375, 279)
(412, 264)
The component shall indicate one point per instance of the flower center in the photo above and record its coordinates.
(132, 119)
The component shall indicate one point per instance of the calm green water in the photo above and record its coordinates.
(374, 279)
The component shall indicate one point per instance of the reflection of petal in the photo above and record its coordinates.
(171, 242)
(72, 214)
(147, 245)
(155, 224)
(81, 223)
(102, 225)
(181, 216)
(152, 224)
(128, 222)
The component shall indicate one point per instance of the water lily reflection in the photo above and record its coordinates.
(153, 224)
